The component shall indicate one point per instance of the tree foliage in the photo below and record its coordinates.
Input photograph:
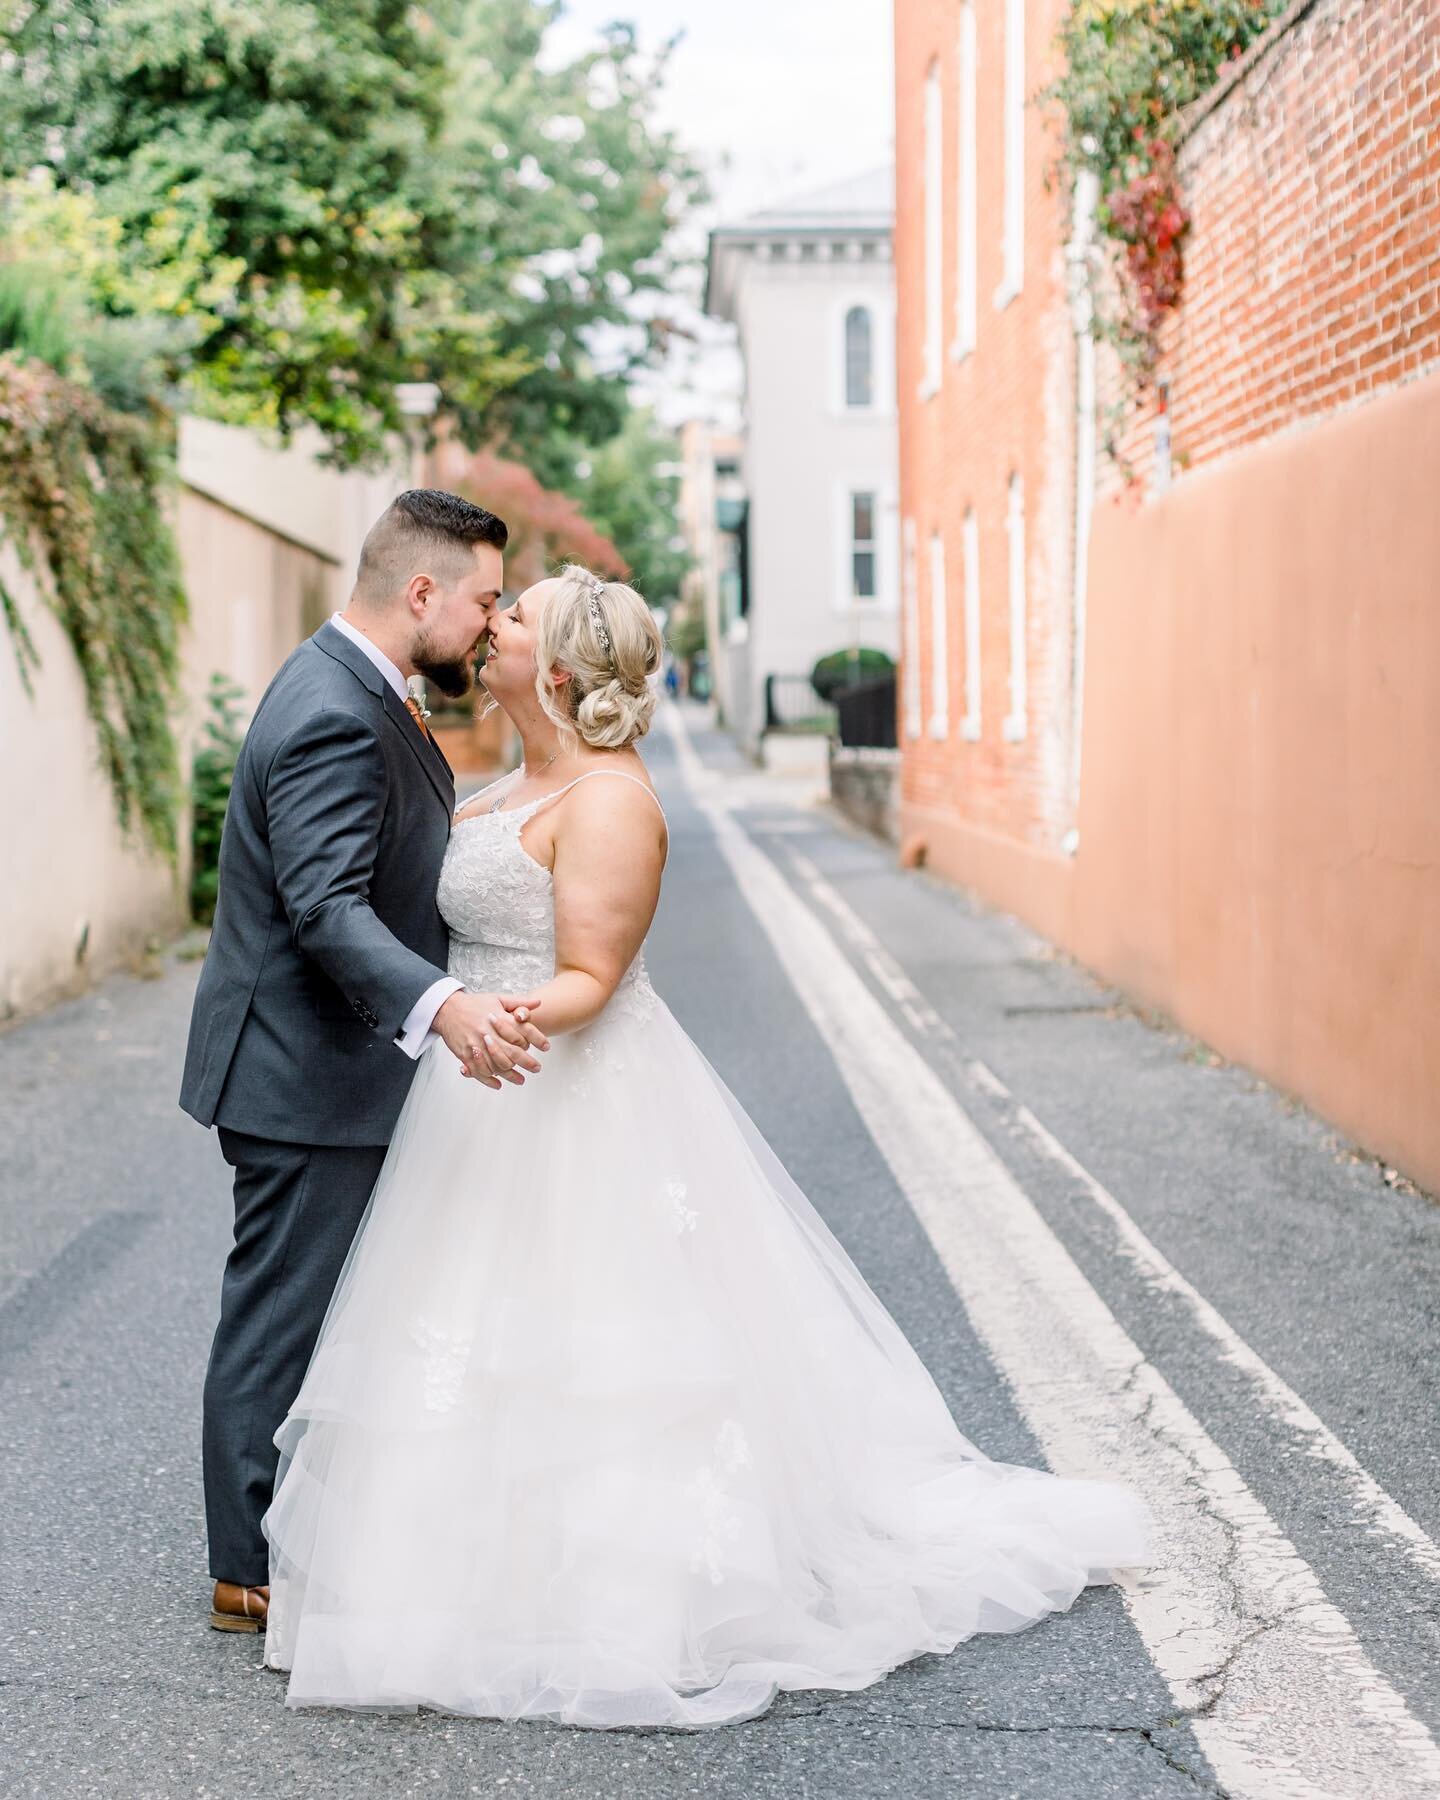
(566, 192)
(277, 211)
(210, 783)
(82, 492)
(325, 198)
(546, 526)
(630, 488)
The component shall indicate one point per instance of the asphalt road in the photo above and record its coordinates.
(113, 1227)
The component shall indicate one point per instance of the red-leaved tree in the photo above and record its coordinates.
(546, 528)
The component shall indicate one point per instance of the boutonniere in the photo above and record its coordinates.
(416, 707)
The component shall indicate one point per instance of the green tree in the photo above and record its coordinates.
(630, 490)
(547, 527)
(566, 194)
(263, 163)
(329, 197)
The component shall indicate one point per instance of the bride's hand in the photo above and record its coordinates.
(521, 1011)
(487, 1040)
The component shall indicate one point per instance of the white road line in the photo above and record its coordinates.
(1280, 1695)
(1374, 1510)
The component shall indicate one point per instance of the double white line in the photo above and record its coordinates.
(1269, 1674)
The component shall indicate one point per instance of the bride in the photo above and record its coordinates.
(603, 1425)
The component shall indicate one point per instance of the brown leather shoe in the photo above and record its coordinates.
(238, 1608)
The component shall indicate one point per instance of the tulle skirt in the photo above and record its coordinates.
(603, 1426)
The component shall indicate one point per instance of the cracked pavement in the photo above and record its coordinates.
(113, 1226)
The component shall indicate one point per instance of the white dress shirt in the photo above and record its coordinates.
(417, 1033)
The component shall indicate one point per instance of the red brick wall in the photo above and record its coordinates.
(1257, 826)
(1312, 278)
(1006, 406)
(1312, 265)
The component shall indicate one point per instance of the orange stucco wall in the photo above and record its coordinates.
(1260, 793)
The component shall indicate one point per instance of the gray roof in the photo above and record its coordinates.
(862, 207)
(864, 202)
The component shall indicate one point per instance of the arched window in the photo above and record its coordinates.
(859, 357)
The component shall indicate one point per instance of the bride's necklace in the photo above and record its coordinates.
(525, 773)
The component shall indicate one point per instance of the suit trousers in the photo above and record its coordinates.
(297, 1207)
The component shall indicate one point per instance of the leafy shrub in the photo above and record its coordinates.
(839, 668)
(40, 315)
(210, 792)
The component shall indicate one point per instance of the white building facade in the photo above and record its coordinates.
(809, 286)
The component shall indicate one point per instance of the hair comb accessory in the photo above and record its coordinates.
(594, 588)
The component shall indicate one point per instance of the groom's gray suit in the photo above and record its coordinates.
(326, 936)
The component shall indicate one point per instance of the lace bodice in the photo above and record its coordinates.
(499, 905)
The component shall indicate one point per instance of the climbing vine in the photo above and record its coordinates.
(211, 776)
(1130, 67)
(82, 504)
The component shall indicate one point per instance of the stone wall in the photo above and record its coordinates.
(865, 786)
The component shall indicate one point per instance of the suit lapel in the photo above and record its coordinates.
(426, 755)
(437, 770)
(444, 760)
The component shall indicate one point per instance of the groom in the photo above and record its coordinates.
(325, 979)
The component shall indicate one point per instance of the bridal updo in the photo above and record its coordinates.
(602, 633)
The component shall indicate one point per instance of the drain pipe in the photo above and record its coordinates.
(1078, 254)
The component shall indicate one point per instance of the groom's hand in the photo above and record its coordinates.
(488, 1040)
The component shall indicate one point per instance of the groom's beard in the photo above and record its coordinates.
(454, 676)
(454, 679)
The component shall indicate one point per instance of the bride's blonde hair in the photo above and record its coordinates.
(603, 635)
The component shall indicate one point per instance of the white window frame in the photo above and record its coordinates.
(856, 545)
(1015, 724)
(882, 354)
(967, 224)
(859, 406)
(970, 560)
(883, 489)
(910, 649)
(933, 198)
(1012, 225)
(939, 643)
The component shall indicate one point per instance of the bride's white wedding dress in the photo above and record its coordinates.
(604, 1426)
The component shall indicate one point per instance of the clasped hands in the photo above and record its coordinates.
(491, 1036)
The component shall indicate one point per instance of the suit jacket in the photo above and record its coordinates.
(326, 930)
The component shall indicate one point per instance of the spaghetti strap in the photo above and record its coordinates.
(619, 775)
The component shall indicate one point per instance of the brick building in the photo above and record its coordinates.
(986, 368)
(1192, 734)
(1312, 268)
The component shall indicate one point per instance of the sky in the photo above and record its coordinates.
(774, 97)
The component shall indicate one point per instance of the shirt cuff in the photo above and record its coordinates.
(416, 1034)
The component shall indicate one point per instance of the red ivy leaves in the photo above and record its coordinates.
(1147, 216)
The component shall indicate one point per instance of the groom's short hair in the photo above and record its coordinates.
(424, 531)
